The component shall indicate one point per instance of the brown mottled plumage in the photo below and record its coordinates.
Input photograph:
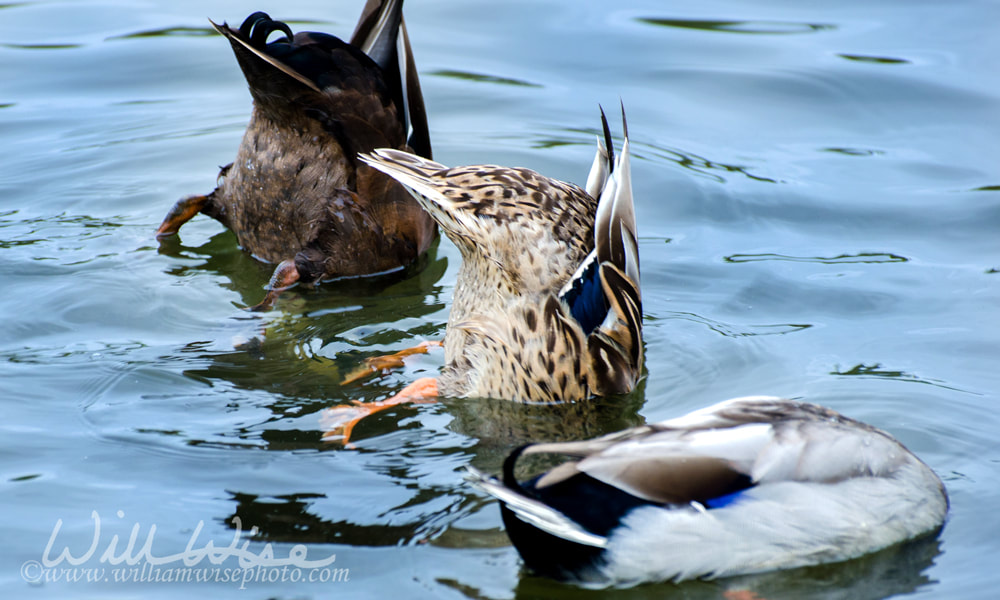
(547, 305)
(296, 193)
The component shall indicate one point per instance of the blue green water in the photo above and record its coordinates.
(817, 192)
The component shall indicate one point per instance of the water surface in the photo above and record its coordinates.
(816, 189)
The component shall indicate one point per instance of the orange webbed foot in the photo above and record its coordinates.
(179, 214)
(379, 364)
(339, 421)
(741, 595)
(285, 276)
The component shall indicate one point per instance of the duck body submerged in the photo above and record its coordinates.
(296, 191)
(744, 486)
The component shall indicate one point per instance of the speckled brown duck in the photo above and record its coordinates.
(547, 306)
(296, 194)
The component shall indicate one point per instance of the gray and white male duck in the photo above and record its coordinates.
(748, 485)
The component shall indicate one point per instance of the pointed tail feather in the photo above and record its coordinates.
(377, 30)
(535, 513)
(603, 161)
(614, 230)
(381, 34)
(616, 345)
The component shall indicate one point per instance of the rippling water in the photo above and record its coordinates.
(817, 198)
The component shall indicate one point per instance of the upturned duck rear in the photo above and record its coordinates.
(296, 194)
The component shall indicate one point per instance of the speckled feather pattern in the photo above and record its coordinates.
(261, 192)
(522, 236)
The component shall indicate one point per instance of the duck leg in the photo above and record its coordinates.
(339, 421)
(181, 213)
(379, 364)
(284, 277)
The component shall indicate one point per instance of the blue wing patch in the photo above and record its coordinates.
(724, 500)
(585, 297)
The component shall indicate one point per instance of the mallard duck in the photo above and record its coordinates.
(546, 305)
(296, 194)
(747, 485)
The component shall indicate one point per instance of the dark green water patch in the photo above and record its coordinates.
(880, 60)
(180, 31)
(42, 46)
(483, 78)
(862, 257)
(750, 27)
(877, 370)
(854, 151)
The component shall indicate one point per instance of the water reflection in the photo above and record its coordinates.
(53, 228)
(730, 330)
(700, 164)
(308, 355)
(188, 31)
(401, 489)
(894, 571)
(496, 426)
(876, 370)
(401, 481)
(297, 355)
(483, 78)
(881, 60)
(752, 27)
(690, 161)
(41, 46)
(168, 31)
(292, 518)
(221, 255)
(500, 425)
(854, 151)
(861, 257)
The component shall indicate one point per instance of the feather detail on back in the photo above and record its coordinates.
(547, 305)
(746, 485)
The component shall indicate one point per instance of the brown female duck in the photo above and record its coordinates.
(296, 194)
